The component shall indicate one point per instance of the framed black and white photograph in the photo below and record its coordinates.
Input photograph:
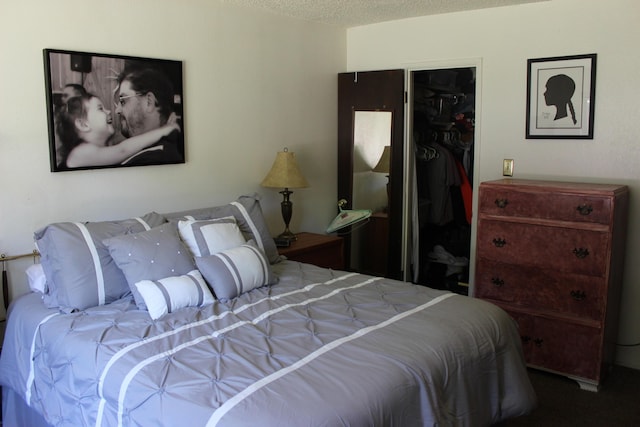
(107, 111)
(561, 97)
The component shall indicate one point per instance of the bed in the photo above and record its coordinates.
(210, 336)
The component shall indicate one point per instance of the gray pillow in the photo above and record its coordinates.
(151, 255)
(248, 215)
(207, 236)
(80, 272)
(234, 271)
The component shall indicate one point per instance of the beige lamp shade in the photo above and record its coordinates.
(285, 172)
(385, 160)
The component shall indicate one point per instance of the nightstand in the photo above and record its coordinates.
(319, 249)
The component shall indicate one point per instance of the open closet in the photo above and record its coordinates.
(442, 140)
(420, 230)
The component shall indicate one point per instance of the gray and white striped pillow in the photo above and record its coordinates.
(235, 271)
(169, 294)
(206, 237)
(79, 270)
(248, 214)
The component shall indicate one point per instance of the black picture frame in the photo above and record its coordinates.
(156, 95)
(561, 94)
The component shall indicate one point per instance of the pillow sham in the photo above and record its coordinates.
(79, 271)
(171, 293)
(235, 271)
(150, 255)
(207, 237)
(248, 214)
(37, 279)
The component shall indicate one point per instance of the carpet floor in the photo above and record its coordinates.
(562, 403)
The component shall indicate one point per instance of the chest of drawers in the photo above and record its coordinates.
(551, 254)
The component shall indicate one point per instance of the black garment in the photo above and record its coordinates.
(169, 149)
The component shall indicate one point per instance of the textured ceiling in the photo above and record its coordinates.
(351, 13)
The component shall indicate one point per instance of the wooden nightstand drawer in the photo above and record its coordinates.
(318, 249)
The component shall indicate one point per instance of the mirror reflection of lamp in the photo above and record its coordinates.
(383, 166)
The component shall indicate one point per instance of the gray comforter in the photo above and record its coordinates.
(320, 348)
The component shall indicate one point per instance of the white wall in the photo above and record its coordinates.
(504, 38)
(253, 84)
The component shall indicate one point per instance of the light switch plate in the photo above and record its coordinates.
(507, 167)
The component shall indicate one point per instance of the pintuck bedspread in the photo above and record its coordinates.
(318, 348)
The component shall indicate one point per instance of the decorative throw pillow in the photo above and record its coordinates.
(207, 237)
(171, 293)
(151, 255)
(79, 271)
(235, 271)
(248, 214)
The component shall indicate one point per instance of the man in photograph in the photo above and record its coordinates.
(144, 101)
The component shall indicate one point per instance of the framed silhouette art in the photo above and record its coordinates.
(561, 97)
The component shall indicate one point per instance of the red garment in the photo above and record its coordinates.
(466, 190)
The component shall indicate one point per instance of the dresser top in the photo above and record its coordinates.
(582, 187)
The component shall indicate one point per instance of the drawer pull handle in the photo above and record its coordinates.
(584, 209)
(525, 338)
(581, 253)
(497, 282)
(538, 342)
(501, 203)
(578, 295)
(499, 242)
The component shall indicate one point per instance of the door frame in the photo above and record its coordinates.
(407, 205)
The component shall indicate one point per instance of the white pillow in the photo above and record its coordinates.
(37, 278)
(235, 271)
(169, 294)
(207, 237)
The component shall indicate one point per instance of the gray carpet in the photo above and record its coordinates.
(562, 403)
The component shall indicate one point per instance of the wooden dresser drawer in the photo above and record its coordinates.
(569, 294)
(562, 249)
(533, 202)
(552, 344)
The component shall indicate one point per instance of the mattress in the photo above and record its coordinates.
(319, 348)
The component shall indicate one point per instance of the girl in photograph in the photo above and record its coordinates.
(85, 126)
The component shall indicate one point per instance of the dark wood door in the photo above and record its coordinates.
(374, 91)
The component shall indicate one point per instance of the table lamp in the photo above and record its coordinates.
(286, 174)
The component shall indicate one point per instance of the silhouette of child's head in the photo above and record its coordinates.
(560, 90)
